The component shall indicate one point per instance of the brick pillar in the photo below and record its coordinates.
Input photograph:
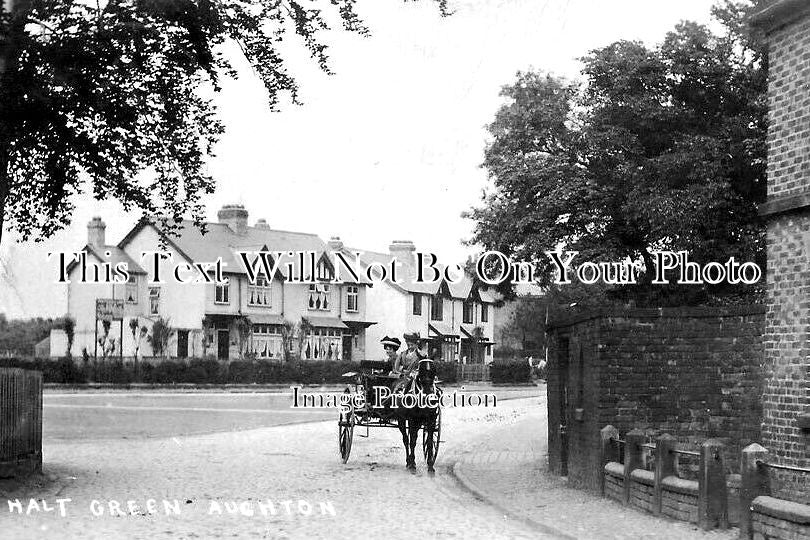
(713, 494)
(787, 210)
(632, 458)
(664, 466)
(607, 452)
(754, 483)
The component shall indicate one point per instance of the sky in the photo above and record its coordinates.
(390, 145)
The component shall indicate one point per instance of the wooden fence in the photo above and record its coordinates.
(472, 372)
(20, 422)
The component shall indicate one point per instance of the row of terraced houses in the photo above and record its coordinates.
(266, 318)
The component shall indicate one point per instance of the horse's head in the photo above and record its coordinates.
(426, 375)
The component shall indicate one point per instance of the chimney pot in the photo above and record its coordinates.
(262, 224)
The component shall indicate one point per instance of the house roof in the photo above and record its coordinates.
(117, 255)
(407, 283)
(779, 12)
(222, 241)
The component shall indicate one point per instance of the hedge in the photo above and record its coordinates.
(200, 371)
(195, 371)
(510, 372)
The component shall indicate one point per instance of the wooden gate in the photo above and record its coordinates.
(20, 421)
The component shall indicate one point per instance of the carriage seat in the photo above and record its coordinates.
(375, 365)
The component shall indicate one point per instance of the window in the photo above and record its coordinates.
(484, 313)
(467, 312)
(323, 344)
(259, 293)
(222, 295)
(323, 271)
(154, 300)
(267, 341)
(351, 298)
(131, 290)
(436, 309)
(318, 296)
(417, 304)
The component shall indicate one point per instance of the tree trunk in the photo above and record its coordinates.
(9, 55)
(649, 268)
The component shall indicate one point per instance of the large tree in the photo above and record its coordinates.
(660, 148)
(109, 92)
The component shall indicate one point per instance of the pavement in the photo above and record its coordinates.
(287, 481)
(222, 485)
(508, 469)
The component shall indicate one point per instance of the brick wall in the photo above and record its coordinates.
(693, 372)
(789, 112)
(787, 352)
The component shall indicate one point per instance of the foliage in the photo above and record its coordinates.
(243, 330)
(159, 339)
(524, 327)
(663, 148)
(117, 92)
(510, 372)
(18, 336)
(69, 326)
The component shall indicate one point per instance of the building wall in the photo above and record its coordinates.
(787, 351)
(691, 372)
(390, 308)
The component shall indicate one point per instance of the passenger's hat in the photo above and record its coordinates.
(391, 342)
(412, 336)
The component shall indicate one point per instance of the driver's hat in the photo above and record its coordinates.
(391, 342)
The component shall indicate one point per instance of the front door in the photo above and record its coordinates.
(347, 348)
(182, 344)
(223, 344)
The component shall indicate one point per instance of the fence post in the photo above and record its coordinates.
(712, 491)
(664, 466)
(632, 458)
(607, 452)
(754, 483)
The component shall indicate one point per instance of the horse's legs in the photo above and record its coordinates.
(413, 429)
(404, 431)
(430, 429)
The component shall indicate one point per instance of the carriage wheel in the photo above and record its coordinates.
(345, 433)
(431, 439)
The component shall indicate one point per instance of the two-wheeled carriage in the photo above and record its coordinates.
(368, 382)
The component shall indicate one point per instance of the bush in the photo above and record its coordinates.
(446, 372)
(193, 371)
(510, 373)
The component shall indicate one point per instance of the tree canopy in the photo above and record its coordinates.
(661, 148)
(109, 92)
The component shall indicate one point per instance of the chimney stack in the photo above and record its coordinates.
(335, 243)
(262, 224)
(234, 216)
(403, 250)
(96, 232)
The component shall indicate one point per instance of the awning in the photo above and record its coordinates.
(358, 325)
(441, 330)
(468, 334)
(326, 322)
(266, 319)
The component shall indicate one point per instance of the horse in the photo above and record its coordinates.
(411, 419)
